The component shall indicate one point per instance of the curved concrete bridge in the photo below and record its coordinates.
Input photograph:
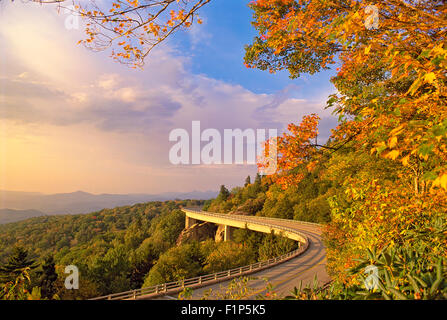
(284, 273)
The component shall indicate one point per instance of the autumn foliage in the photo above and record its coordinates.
(392, 80)
(293, 150)
(391, 103)
(132, 28)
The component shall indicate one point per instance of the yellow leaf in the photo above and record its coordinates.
(397, 130)
(429, 77)
(367, 49)
(405, 160)
(441, 181)
(392, 142)
(392, 155)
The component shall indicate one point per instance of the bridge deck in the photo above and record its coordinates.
(284, 273)
(285, 276)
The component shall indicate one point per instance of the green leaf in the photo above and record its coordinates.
(439, 130)
(413, 284)
(435, 285)
(380, 149)
(437, 60)
(429, 176)
(398, 294)
(439, 269)
(387, 278)
(424, 54)
(370, 254)
(387, 259)
(425, 149)
(396, 112)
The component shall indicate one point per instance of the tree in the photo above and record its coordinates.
(17, 288)
(87, 289)
(177, 263)
(131, 28)
(223, 194)
(391, 102)
(16, 263)
(392, 80)
(142, 260)
(47, 278)
(228, 255)
(111, 270)
(247, 181)
(258, 180)
(113, 248)
(295, 149)
(274, 246)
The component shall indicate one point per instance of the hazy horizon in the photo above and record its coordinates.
(80, 121)
(104, 193)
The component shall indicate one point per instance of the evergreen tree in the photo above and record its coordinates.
(47, 278)
(223, 194)
(16, 263)
(247, 181)
(258, 179)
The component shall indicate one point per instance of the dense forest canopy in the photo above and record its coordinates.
(113, 248)
(122, 249)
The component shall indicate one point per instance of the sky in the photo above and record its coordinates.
(72, 119)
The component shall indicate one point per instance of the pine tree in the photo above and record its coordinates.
(47, 278)
(17, 262)
(224, 193)
(247, 181)
(258, 179)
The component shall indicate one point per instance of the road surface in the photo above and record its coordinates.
(285, 276)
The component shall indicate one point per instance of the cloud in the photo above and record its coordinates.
(198, 35)
(108, 81)
(108, 124)
(21, 87)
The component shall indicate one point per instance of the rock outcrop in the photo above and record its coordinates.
(198, 231)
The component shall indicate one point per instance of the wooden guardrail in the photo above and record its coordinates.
(196, 282)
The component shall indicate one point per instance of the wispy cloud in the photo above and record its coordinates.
(97, 117)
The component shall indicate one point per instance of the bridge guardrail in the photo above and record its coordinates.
(196, 282)
(239, 217)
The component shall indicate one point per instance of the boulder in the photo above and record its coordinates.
(198, 231)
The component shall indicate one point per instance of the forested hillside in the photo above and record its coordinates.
(113, 248)
(118, 250)
(308, 199)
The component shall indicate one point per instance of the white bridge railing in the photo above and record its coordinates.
(196, 282)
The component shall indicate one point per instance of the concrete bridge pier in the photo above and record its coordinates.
(189, 222)
(228, 230)
(228, 233)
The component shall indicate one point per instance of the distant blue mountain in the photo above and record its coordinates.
(83, 202)
(11, 215)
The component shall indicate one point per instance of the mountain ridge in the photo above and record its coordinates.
(11, 215)
(80, 202)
